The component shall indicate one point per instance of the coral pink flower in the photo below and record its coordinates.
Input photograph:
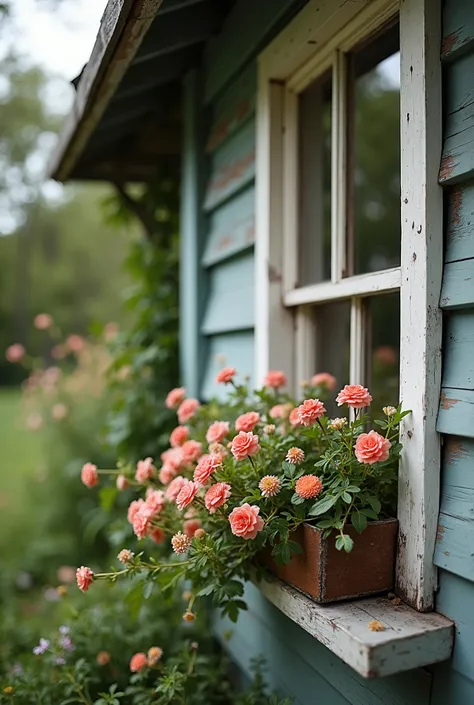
(59, 412)
(43, 321)
(226, 375)
(245, 522)
(187, 409)
(154, 655)
(190, 526)
(276, 412)
(15, 352)
(217, 431)
(142, 520)
(207, 464)
(216, 496)
(295, 456)
(269, 486)
(133, 509)
(125, 556)
(386, 355)
(372, 448)
(275, 378)
(155, 499)
(75, 343)
(167, 473)
(186, 495)
(175, 488)
(308, 486)
(84, 578)
(248, 421)
(145, 470)
(89, 475)
(191, 451)
(175, 397)
(122, 483)
(310, 410)
(354, 395)
(137, 662)
(324, 379)
(157, 535)
(173, 457)
(295, 417)
(244, 444)
(179, 435)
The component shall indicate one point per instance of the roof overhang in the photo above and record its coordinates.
(127, 110)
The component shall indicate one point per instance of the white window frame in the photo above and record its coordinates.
(318, 36)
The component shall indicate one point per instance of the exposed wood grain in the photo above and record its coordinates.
(230, 304)
(457, 163)
(456, 412)
(458, 29)
(458, 284)
(455, 545)
(231, 228)
(458, 369)
(460, 223)
(457, 491)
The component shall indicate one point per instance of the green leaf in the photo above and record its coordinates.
(375, 504)
(346, 497)
(296, 499)
(325, 524)
(147, 589)
(322, 506)
(359, 521)
(344, 542)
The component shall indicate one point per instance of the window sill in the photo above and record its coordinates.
(410, 639)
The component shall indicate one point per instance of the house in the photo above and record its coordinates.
(327, 151)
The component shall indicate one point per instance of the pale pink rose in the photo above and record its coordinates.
(217, 431)
(187, 409)
(354, 395)
(142, 520)
(245, 521)
(226, 375)
(276, 412)
(145, 470)
(59, 412)
(175, 487)
(324, 379)
(167, 473)
(122, 483)
(75, 343)
(133, 509)
(207, 464)
(218, 449)
(372, 448)
(43, 321)
(173, 457)
(248, 421)
(244, 445)
(155, 499)
(216, 496)
(190, 526)
(137, 662)
(310, 410)
(186, 495)
(15, 352)
(89, 475)
(175, 397)
(191, 451)
(179, 435)
(295, 418)
(157, 535)
(275, 378)
(84, 577)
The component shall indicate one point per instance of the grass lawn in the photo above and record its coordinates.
(20, 466)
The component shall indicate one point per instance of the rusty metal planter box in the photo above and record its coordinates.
(327, 575)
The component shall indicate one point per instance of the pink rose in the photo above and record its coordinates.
(75, 343)
(155, 500)
(372, 448)
(175, 397)
(295, 418)
(173, 457)
(43, 321)
(186, 495)
(187, 409)
(142, 520)
(324, 379)
(191, 451)
(275, 378)
(84, 578)
(207, 464)
(137, 662)
(175, 487)
(216, 496)
(276, 412)
(157, 535)
(217, 431)
(190, 526)
(145, 470)
(133, 509)
(226, 375)
(248, 421)
(179, 435)
(245, 522)
(89, 475)
(15, 352)
(167, 473)
(354, 395)
(244, 444)
(122, 483)
(310, 410)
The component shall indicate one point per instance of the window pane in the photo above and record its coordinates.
(374, 221)
(314, 111)
(384, 350)
(333, 322)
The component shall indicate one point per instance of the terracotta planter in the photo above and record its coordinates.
(328, 575)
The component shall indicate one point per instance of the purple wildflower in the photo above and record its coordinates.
(60, 661)
(63, 629)
(66, 643)
(42, 647)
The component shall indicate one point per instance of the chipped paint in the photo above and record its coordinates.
(230, 124)
(229, 178)
(440, 533)
(447, 402)
(452, 42)
(454, 450)
(456, 205)
(448, 164)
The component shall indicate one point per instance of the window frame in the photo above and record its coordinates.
(319, 35)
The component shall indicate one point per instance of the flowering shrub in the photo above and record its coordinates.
(242, 476)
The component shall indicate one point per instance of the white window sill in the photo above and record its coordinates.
(410, 639)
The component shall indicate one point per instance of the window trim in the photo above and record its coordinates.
(280, 333)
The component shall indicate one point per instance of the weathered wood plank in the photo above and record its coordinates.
(458, 29)
(232, 168)
(234, 349)
(458, 284)
(456, 412)
(457, 493)
(459, 96)
(450, 687)
(230, 304)
(458, 350)
(460, 223)
(455, 545)
(231, 228)
(455, 601)
(234, 108)
(457, 162)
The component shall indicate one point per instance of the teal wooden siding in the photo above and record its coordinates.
(454, 553)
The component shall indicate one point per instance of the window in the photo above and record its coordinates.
(348, 281)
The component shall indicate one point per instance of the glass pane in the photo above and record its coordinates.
(374, 220)
(384, 350)
(315, 182)
(333, 323)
